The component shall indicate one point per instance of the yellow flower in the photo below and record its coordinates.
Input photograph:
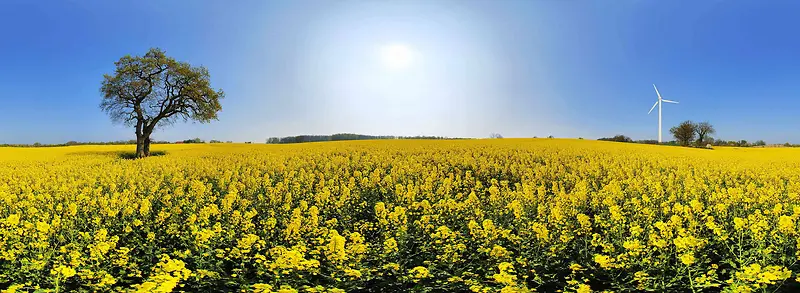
(262, 288)
(391, 266)
(63, 271)
(739, 223)
(513, 289)
(583, 288)
(287, 289)
(604, 261)
(13, 288)
(640, 276)
(632, 245)
(390, 245)
(12, 220)
(786, 225)
(686, 242)
(247, 242)
(43, 227)
(575, 267)
(687, 258)
(418, 273)
(356, 274)
(767, 275)
(498, 252)
(335, 248)
(506, 275)
(636, 230)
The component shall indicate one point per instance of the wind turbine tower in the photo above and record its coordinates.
(658, 103)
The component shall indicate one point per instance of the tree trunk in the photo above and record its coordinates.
(147, 130)
(140, 146)
(147, 145)
(140, 139)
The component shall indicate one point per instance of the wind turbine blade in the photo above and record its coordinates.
(657, 93)
(668, 101)
(654, 106)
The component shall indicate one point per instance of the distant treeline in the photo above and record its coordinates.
(343, 136)
(198, 140)
(288, 139)
(691, 134)
(117, 142)
(711, 141)
(69, 143)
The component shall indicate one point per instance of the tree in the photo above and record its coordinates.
(495, 135)
(152, 90)
(759, 143)
(703, 130)
(684, 132)
(617, 138)
(647, 141)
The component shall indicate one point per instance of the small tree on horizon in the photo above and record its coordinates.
(152, 90)
(703, 130)
(684, 133)
(617, 138)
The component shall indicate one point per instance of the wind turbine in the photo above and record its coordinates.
(658, 103)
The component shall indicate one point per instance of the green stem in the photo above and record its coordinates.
(691, 281)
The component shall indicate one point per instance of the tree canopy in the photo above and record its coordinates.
(684, 133)
(704, 130)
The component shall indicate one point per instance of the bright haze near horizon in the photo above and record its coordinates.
(445, 68)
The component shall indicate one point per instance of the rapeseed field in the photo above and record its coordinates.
(504, 215)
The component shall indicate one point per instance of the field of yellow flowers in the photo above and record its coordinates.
(505, 215)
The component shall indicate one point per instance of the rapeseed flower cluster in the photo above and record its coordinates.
(510, 215)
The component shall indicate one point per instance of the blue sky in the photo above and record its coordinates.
(519, 68)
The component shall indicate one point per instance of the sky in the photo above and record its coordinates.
(573, 68)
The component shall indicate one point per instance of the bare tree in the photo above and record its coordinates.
(703, 130)
(150, 90)
(684, 132)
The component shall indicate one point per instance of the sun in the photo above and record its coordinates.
(397, 56)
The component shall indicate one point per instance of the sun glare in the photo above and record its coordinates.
(397, 56)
